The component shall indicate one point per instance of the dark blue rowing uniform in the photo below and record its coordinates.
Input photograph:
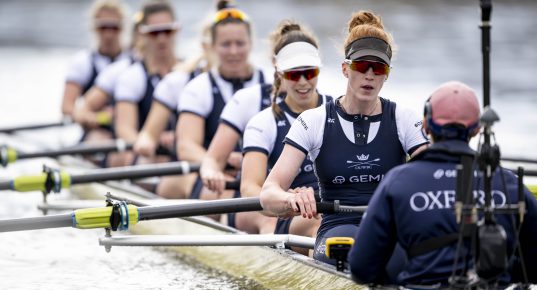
(213, 119)
(306, 176)
(350, 172)
(414, 203)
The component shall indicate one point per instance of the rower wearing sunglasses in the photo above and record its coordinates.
(95, 114)
(134, 90)
(107, 17)
(352, 142)
(164, 106)
(205, 96)
(297, 67)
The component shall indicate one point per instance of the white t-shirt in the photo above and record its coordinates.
(197, 96)
(244, 104)
(262, 130)
(308, 131)
(170, 89)
(81, 68)
(132, 84)
(107, 78)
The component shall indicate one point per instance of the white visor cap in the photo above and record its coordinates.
(298, 54)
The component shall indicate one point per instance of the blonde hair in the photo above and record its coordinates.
(112, 5)
(205, 61)
(287, 31)
(367, 24)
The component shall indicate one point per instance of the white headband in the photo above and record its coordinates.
(298, 54)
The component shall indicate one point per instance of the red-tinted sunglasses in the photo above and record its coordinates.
(379, 68)
(294, 75)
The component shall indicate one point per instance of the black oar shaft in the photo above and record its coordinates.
(32, 127)
(134, 172)
(521, 160)
(196, 209)
(84, 149)
(36, 223)
(5, 185)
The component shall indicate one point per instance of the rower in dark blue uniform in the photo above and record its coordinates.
(353, 141)
(414, 204)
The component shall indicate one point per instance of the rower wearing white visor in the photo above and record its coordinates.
(134, 91)
(107, 17)
(352, 142)
(204, 97)
(297, 66)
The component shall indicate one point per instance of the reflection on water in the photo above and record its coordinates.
(437, 41)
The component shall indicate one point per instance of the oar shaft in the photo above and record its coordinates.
(517, 159)
(196, 209)
(83, 149)
(36, 223)
(134, 172)
(33, 127)
(6, 185)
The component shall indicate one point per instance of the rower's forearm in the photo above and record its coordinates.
(209, 165)
(274, 199)
(250, 189)
(191, 152)
(128, 134)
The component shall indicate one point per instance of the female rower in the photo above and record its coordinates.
(353, 141)
(134, 90)
(164, 109)
(107, 17)
(204, 97)
(297, 67)
(95, 114)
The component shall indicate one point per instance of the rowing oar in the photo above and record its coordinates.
(119, 216)
(64, 122)
(10, 155)
(52, 180)
(521, 160)
(103, 119)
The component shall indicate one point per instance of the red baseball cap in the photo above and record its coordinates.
(455, 103)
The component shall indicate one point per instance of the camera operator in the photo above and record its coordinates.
(414, 206)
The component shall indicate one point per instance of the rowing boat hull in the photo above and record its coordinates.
(269, 267)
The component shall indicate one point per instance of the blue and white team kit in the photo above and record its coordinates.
(87, 65)
(266, 132)
(351, 154)
(205, 96)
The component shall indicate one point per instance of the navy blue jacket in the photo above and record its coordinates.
(414, 203)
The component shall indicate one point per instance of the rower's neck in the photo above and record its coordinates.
(111, 52)
(353, 106)
(242, 73)
(160, 65)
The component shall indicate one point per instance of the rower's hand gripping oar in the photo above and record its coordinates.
(120, 216)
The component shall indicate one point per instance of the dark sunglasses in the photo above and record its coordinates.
(109, 27)
(379, 68)
(155, 33)
(294, 75)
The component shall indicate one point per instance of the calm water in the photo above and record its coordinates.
(437, 41)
